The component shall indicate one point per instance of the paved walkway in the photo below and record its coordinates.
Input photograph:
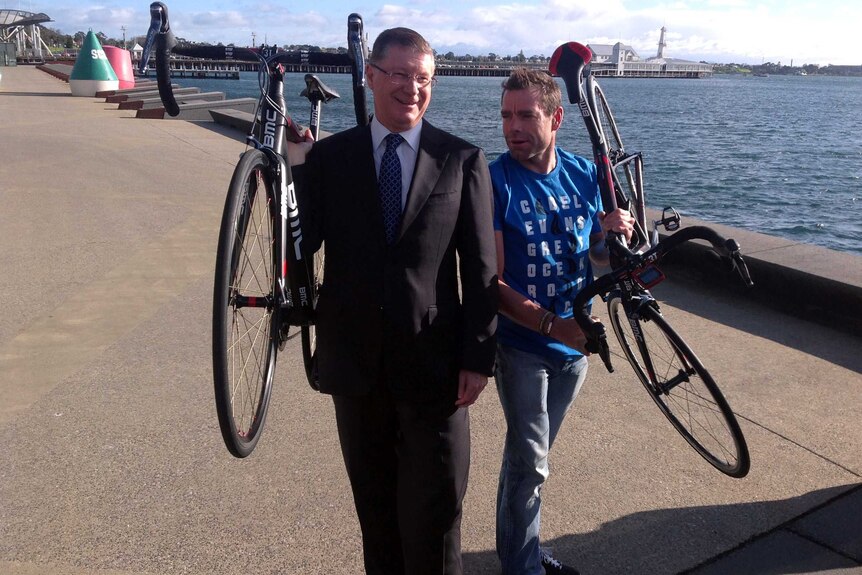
(112, 459)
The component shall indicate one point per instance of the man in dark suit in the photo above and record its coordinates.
(406, 313)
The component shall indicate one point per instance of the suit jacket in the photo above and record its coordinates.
(394, 315)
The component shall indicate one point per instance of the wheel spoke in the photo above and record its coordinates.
(256, 255)
(682, 389)
(245, 353)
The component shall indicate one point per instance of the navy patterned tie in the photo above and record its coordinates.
(389, 182)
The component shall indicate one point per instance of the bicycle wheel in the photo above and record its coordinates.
(309, 333)
(681, 387)
(627, 168)
(605, 120)
(246, 314)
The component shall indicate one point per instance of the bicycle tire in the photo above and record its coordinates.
(605, 119)
(681, 387)
(309, 333)
(246, 314)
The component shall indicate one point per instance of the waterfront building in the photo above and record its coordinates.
(621, 60)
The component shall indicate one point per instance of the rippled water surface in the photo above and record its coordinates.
(780, 155)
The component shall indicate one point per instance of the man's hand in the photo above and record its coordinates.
(297, 151)
(470, 385)
(620, 221)
(567, 331)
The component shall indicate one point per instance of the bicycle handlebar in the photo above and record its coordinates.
(160, 37)
(594, 330)
(358, 53)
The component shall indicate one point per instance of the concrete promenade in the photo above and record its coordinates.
(112, 462)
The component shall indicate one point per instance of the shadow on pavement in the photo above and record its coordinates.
(40, 94)
(225, 131)
(692, 539)
(729, 306)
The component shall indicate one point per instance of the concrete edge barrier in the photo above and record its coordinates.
(803, 280)
(199, 98)
(199, 111)
(140, 86)
(60, 71)
(120, 98)
(155, 101)
(235, 119)
(157, 113)
(242, 121)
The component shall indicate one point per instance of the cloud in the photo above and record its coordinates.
(98, 19)
(745, 31)
(214, 19)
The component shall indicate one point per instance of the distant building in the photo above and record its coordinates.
(621, 60)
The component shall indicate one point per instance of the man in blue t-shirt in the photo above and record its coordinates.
(549, 225)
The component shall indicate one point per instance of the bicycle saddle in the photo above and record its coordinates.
(315, 90)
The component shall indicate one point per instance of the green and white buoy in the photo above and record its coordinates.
(92, 71)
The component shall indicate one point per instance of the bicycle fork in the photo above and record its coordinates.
(635, 318)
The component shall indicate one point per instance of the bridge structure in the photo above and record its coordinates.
(22, 29)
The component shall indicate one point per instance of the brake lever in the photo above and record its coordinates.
(737, 263)
(358, 53)
(161, 36)
(597, 342)
(157, 25)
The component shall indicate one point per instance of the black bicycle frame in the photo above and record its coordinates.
(295, 288)
(569, 62)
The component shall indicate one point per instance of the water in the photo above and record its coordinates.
(780, 155)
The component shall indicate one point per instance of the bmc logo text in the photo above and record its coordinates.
(269, 129)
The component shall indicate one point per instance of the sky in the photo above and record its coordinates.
(789, 32)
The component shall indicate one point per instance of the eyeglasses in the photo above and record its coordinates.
(402, 79)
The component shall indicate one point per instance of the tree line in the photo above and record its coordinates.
(57, 39)
(60, 41)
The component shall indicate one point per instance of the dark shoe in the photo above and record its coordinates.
(554, 567)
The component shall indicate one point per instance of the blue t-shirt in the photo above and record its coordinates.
(546, 220)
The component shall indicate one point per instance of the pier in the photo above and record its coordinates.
(182, 67)
(195, 68)
(112, 457)
(202, 72)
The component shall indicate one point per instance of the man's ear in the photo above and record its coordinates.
(557, 118)
(369, 75)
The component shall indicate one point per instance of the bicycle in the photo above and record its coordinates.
(665, 364)
(265, 286)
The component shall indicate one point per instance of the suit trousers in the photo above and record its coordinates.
(408, 464)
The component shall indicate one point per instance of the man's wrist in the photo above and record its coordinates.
(547, 323)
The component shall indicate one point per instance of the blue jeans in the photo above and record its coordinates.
(535, 392)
